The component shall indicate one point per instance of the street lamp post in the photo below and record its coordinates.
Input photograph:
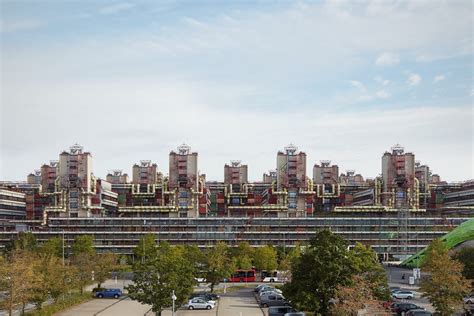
(173, 297)
(63, 247)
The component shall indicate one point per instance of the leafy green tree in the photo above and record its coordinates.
(159, 275)
(287, 259)
(52, 247)
(26, 241)
(242, 256)
(368, 286)
(322, 267)
(18, 279)
(146, 248)
(195, 258)
(83, 255)
(366, 265)
(445, 286)
(466, 257)
(104, 265)
(53, 276)
(83, 245)
(265, 258)
(218, 264)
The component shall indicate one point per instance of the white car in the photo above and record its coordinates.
(403, 294)
(200, 303)
(469, 299)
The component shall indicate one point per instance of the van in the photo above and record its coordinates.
(273, 299)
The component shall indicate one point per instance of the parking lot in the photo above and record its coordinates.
(236, 303)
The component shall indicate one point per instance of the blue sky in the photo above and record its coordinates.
(237, 80)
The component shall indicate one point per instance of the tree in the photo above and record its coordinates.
(53, 276)
(324, 265)
(52, 247)
(218, 264)
(466, 257)
(26, 241)
(445, 286)
(83, 254)
(368, 285)
(265, 258)
(367, 266)
(195, 258)
(104, 265)
(83, 245)
(146, 248)
(18, 280)
(242, 256)
(157, 277)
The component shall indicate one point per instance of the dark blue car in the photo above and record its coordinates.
(115, 293)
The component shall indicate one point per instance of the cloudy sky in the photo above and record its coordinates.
(343, 81)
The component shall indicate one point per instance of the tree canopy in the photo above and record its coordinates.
(445, 285)
(156, 278)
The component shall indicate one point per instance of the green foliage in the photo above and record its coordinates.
(60, 305)
(466, 257)
(83, 259)
(445, 286)
(52, 247)
(53, 278)
(366, 264)
(242, 256)
(324, 265)
(265, 258)
(83, 245)
(146, 248)
(26, 241)
(156, 278)
(104, 264)
(218, 264)
(18, 279)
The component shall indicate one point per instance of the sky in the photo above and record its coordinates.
(237, 80)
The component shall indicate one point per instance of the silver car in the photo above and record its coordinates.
(403, 294)
(200, 303)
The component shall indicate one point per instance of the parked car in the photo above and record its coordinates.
(265, 288)
(403, 294)
(265, 295)
(401, 308)
(208, 296)
(273, 300)
(469, 299)
(418, 312)
(295, 314)
(115, 293)
(269, 291)
(200, 303)
(258, 287)
(280, 310)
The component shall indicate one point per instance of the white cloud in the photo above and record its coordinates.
(117, 7)
(414, 79)
(357, 84)
(382, 94)
(22, 25)
(382, 81)
(198, 77)
(387, 59)
(151, 116)
(438, 78)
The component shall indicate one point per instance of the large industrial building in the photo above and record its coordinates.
(396, 213)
